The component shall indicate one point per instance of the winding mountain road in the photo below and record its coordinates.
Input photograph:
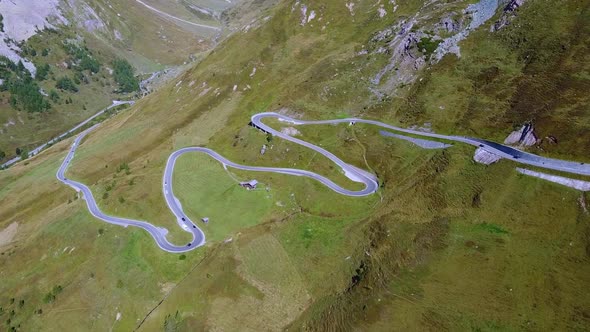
(354, 173)
(177, 18)
(38, 149)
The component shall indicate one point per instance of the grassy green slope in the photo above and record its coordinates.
(445, 244)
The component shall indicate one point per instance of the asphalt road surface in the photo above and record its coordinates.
(177, 18)
(493, 147)
(158, 233)
(352, 172)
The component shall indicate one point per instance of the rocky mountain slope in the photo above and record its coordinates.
(445, 244)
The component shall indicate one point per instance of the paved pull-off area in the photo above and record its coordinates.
(352, 172)
(423, 143)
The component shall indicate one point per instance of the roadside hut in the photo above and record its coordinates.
(250, 185)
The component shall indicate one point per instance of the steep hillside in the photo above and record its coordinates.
(80, 40)
(445, 244)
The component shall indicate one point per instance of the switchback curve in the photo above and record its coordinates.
(352, 172)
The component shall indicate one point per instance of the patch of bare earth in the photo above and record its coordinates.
(8, 234)
(167, 287)
(290, 131)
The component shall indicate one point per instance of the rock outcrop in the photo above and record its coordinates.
(523, 137)
(401, 41)
(479, 13)
(485, 157)
(21, 21)
(508, 14)
(449, 24)
(513, 5)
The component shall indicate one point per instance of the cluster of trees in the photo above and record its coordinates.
(50, 297)
(27, 50)
(54, 96)
(67, 84)
(7, 67)
(24, 91)
(23, 153)
(125, 76)
(42, 72)
(124, 167)
(12, 314)
(26, 95)
(90, 64)
(82, 59)
(83, 56)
